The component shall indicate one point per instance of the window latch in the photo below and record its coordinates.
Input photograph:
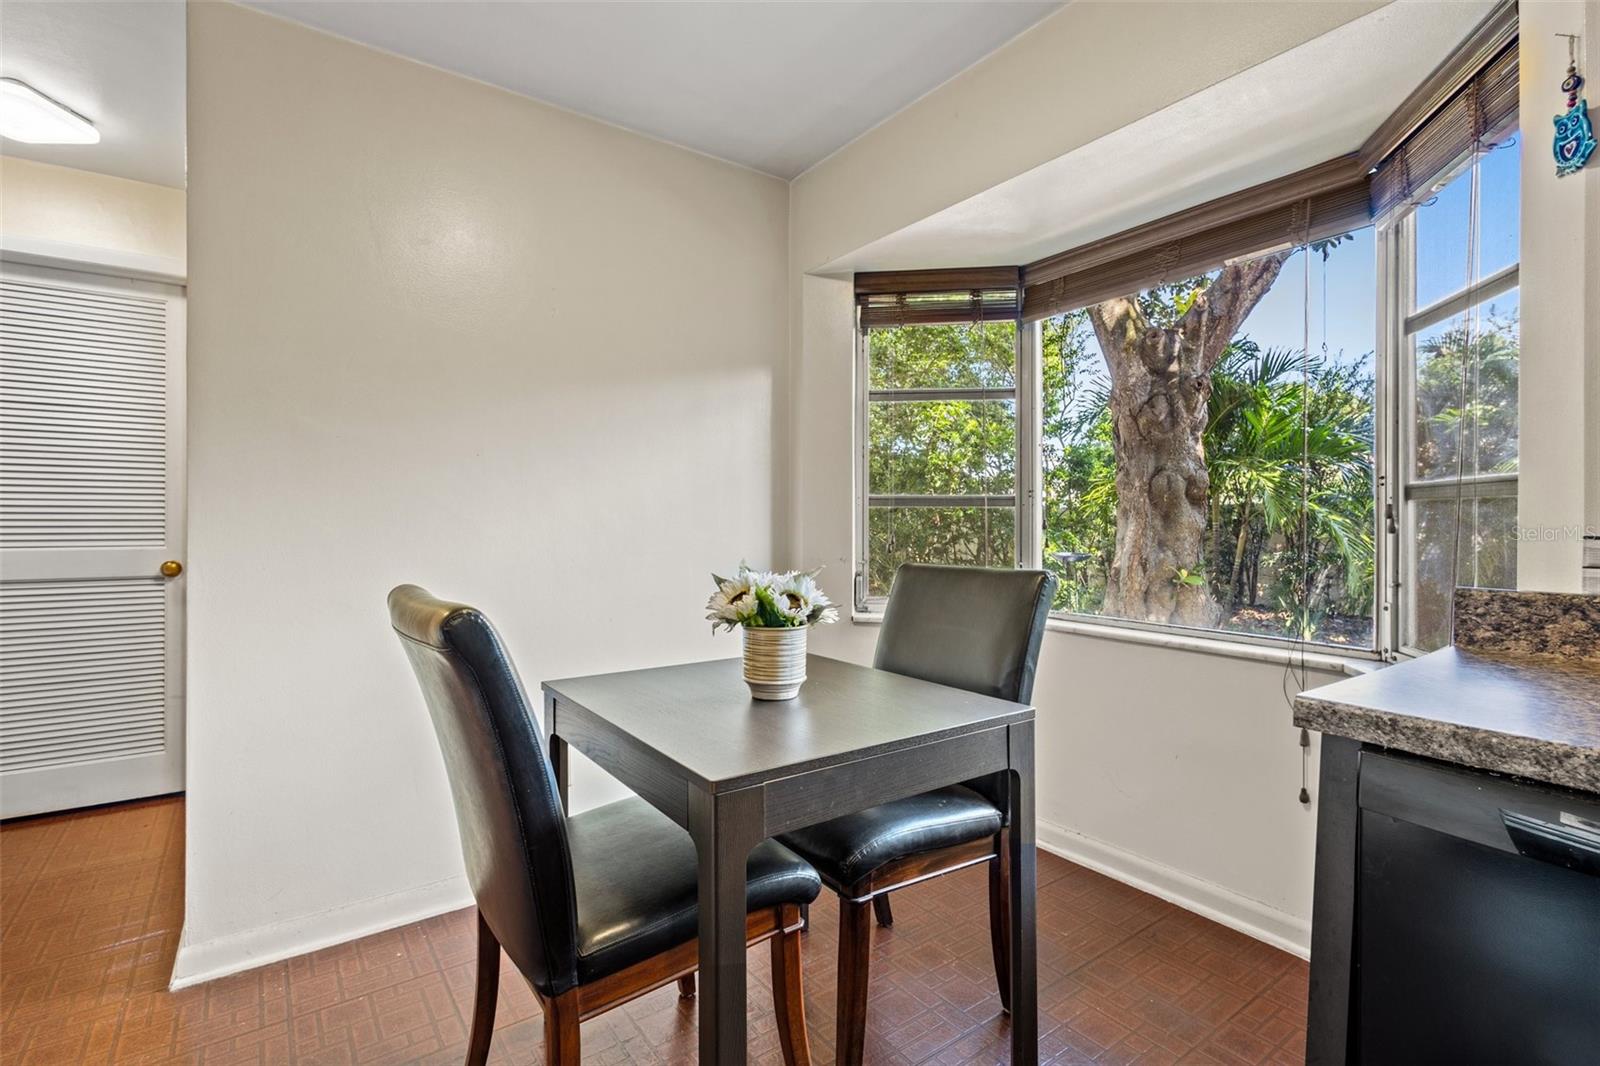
(1388, 518)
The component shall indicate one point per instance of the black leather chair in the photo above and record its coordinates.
(594, 909)
(968, 628)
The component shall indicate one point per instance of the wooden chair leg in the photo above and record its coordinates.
(880, 907)
(855, 954)
(483, 1002)
(561, 1043)
(686, 986)
(788, 996)
(1000, 921)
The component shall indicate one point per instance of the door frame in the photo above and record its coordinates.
(125, 272)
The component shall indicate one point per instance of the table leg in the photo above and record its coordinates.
(725, 827)
(559, 756)
(1023, 889)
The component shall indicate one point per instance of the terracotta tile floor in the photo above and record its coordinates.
(91, 903)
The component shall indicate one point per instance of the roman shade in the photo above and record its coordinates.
(937, 297)
(1321, 201)
(1467, 102)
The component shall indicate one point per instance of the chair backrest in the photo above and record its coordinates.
(513, 828)
(967, 627)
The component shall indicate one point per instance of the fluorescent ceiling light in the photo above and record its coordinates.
(29, 116)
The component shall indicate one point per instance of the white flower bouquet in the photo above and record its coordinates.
(762, 599)
(775, 610)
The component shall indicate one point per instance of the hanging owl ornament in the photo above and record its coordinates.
(1574, 142)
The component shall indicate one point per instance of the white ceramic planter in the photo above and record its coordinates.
(775, 661)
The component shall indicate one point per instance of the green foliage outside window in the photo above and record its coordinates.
(1253, 445)
(1291, 516)
(943, 447)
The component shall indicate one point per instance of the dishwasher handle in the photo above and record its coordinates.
(1570, 846)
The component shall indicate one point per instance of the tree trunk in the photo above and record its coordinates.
(1236, 575)
(1160, 387)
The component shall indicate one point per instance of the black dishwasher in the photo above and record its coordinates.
(1477, 919)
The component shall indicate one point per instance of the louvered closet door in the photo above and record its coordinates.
(91, 506)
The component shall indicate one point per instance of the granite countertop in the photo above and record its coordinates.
(1518, 694)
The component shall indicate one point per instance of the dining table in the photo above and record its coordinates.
(691, 741)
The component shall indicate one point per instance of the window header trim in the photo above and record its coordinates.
(1320, 201)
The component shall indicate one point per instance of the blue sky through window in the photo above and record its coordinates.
(1342, 309)
(1443, 230)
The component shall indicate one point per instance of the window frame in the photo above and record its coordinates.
(1287, 645)
(1400, 322)
(1029, 502)
(1022, 501)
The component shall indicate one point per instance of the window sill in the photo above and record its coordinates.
(1316, 660)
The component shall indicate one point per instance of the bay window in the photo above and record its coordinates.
(1289, 414)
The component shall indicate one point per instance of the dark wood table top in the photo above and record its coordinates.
(701, 717)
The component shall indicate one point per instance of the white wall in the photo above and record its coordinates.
(411, 359)
(1176, 771)
(1559, 485)
(1591, 180)
(90, 212)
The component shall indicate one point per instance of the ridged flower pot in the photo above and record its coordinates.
(775, 661)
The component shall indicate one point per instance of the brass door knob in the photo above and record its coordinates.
(171, 568)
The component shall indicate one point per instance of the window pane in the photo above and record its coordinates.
(1442, 241)
(1499, 206)
(957, 536)
(942, 448)
(934, 357)
(1465, 410)
(1079, 464)
(1263, 564)
(1445, 235)
(1485, 554)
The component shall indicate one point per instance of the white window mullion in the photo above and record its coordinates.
(863, 466)
(1029, 464)
(1392, 444)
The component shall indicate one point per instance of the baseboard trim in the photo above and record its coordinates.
(208, 960)
(221, 956)
(1249, 916)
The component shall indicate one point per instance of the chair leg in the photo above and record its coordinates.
(1000, 920)
(484, 999)
(805, 917)
(855, 954)
(686, 986)
(880, 907)
(788, 996)
(561, 1043)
